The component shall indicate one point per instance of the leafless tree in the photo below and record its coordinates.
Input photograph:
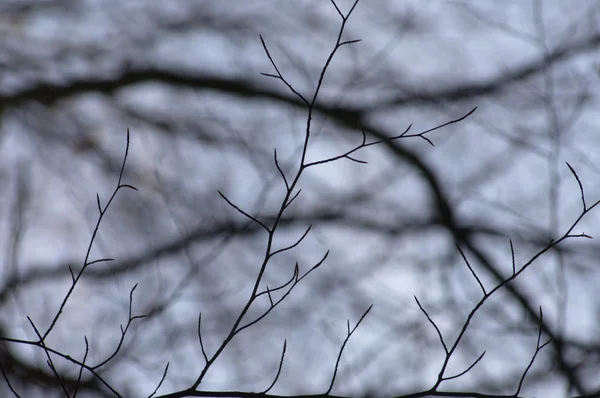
(243, 247)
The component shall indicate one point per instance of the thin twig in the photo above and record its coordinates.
(434, 325)
(86, 262)
(339, 357)
(162, 379)
(580, 185)
(471, 269)
(200, 337)
(538, 348)
(278, 369)
(8, 381)
(295, 244)
(243, 212)
(80, 373)
(279, 75)
(467, 369)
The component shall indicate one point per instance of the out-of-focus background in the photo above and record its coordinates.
(184, 77)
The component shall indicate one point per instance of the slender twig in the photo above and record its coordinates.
(295, 244)
(80, 373)
(243, 212)
(289, 202)
(279, 75)
(200, 337)
(287, 185)
(512, 256)
(471, 269)
(339, 357)
(268, 290)
(580, 186)
(287, 293)
(404, 134)
(130, 319)
(467, 369)
(49, 361)
(8, 381)
(349, 42)
(441, 337)
(278, 368)
(86, 262)
(538, 348)
(162, 379)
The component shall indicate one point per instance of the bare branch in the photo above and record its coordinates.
(278, 369)
(200, 337)
(270, 298)
(349, 42)
(102, 260)
(356, 160)
(580, 186)
(130, 319)
(8, 381)
(512, 255)
(49, 361)
(337, 9)
(364, 134)
(80, 373)
(317, 265)
(291, 280)
(339, 357)
(243, 212)
(72, 274)
(538, 348)
(287, 186)
(471, 269)
(279, 75)
(293, 198)
(98, 203)
(404, 134)
(295, 244)
(434, 325)
(162, 379)
(466, 370)
(86, 262)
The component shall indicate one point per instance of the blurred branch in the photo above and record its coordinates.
(48, 94)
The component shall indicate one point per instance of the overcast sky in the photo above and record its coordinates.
(185, 78)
